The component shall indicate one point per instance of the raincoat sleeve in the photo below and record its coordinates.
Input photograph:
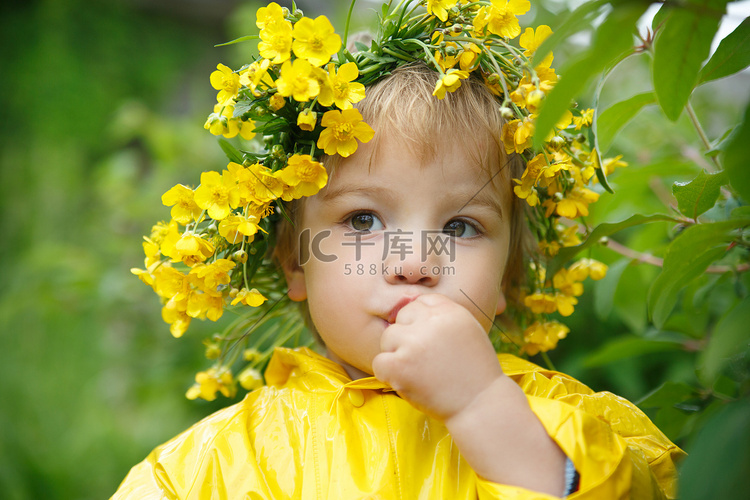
(616, 449)
(202, 458)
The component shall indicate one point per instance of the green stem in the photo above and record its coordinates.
(548, 361)
(348, 18)
(701, 133)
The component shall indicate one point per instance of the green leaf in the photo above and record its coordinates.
(627, 347)
(668, 394)
(732, 55)
(617, 116)
(680, 49)
(698, 195)
(687, 257)
(604, 296)
(579, 19)
(719, 451)
(600, 231)
(232, 153)
(238, 40)
(611, 40)
(730, 337)
(735, 158)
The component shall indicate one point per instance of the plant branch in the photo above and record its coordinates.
(701, 133)
(659, 262)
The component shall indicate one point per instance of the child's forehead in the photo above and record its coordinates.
(463, 169)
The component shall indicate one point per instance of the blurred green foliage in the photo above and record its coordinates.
(104, 103)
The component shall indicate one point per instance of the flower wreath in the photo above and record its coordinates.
(298, 95)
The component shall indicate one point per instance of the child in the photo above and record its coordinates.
(418, 241)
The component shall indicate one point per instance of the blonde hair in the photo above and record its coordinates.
(403, 104)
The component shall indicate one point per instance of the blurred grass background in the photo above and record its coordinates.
(104, 103)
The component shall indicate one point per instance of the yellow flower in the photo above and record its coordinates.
(256, 184)
(343, 89)
(276, 102)
(217, 193)
(449, 82)
(166, 237)
(191, 249)
(585, 268)
(565, 303)
(342, 130)
(576, 203)
(526, 191)
(205, 305)
(222, 122)
(305, 175)
(439, 8)
(169, 283)
(213, 380)
(250, 379)
(451, 56)
(184, 209)
(584, 120)
(569, 236)
(500, 17)
(256, 73)
(235, 225)
(269, 15)
(315, 40)
(211, 276)
(177, 320)
(469, 57)
(296, 81)
(226, 82)
(306, 120)
(567, 283)
(518, 135)
(540, 303)
(543, 336)
(252, 298)
(531, 40)
(276, 41)
(610, 164)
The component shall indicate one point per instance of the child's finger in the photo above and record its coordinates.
(390, 339)
(383, 366)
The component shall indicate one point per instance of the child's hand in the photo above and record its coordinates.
(436, 356)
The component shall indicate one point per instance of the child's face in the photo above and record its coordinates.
(354, 298)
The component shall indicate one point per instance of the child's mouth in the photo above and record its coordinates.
(399, 305)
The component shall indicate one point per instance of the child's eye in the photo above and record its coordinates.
(460, 229)
(365, 222)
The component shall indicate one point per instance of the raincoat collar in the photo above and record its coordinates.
(306, 369)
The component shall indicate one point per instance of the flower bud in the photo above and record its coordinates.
(450, 51)
(493, 79)
(240, 256)
(213, 351)
(534, 100)
(277, 151)
(507, 113)
(604, 241)
(250, 378)
(251, 354)
(558, 197)
(556, 143)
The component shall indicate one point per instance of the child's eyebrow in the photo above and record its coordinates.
(482, 199)
(330, 194)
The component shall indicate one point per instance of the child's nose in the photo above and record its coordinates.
(416, 266)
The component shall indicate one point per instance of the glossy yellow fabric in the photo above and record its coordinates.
(313, 433)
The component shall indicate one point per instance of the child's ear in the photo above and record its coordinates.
(501, 304)
(295, 281)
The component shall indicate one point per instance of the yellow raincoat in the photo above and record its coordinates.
(313, 433)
